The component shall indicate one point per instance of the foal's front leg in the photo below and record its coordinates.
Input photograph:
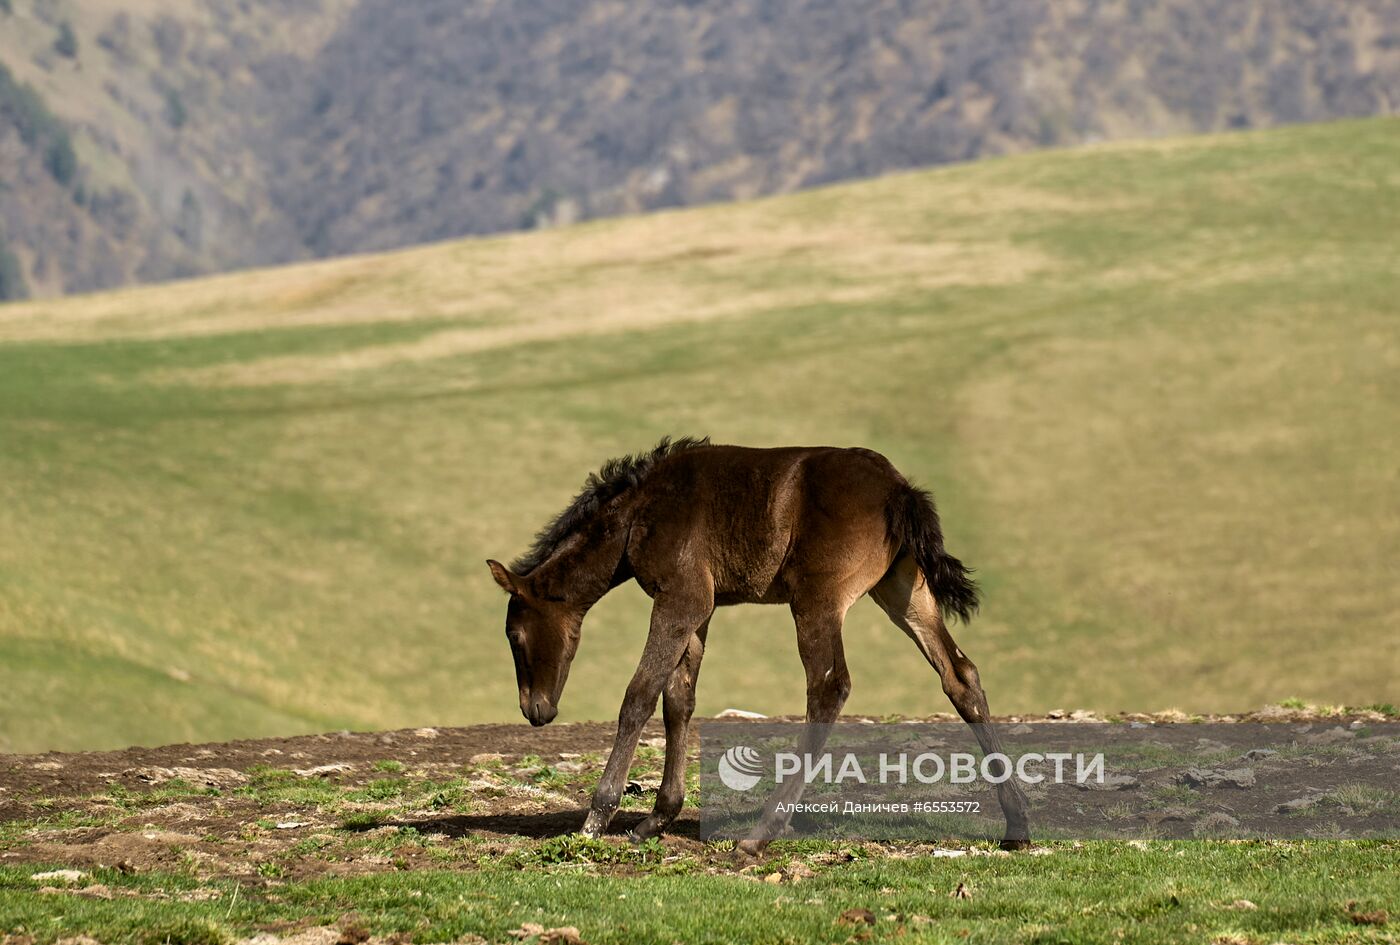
(675, 618)
(677, 705)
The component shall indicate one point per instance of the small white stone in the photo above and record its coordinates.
(319, 770)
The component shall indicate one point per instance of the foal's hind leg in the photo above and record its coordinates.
(904, 595)
(677, 704)
(676, 615)
(828, 685)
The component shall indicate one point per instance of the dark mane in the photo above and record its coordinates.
(616, 477)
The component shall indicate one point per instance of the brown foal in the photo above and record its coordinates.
(700, 526)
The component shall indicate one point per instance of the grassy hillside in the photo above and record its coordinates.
(1155, 388)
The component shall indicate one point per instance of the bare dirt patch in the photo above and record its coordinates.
(276, 810)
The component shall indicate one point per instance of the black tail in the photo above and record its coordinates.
(914, 521)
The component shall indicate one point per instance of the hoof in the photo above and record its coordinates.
(1016, 843)
(595, 826)
(651, 827)
(739, 859)
(750, 849)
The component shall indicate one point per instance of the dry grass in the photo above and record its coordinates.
(643, 272)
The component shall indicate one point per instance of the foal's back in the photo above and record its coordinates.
(767, 525)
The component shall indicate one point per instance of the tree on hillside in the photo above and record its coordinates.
(60, 160)
(12, 284)
(175, 112)
(67, 42)
(39, 129)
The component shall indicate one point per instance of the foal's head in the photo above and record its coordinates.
(543, 635)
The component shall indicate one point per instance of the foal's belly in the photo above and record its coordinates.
(752, 571)
(773, 595)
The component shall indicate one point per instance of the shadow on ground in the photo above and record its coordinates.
(534, 826)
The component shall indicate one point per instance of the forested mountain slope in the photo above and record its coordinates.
(204, 135)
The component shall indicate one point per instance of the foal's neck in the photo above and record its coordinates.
(587, 564)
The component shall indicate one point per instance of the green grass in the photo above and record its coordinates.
(412, 868)
(1154, 387)
(1096, 892)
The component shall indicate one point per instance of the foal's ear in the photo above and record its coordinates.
(503, 577)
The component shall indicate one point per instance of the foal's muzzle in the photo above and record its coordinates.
(539, 711)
